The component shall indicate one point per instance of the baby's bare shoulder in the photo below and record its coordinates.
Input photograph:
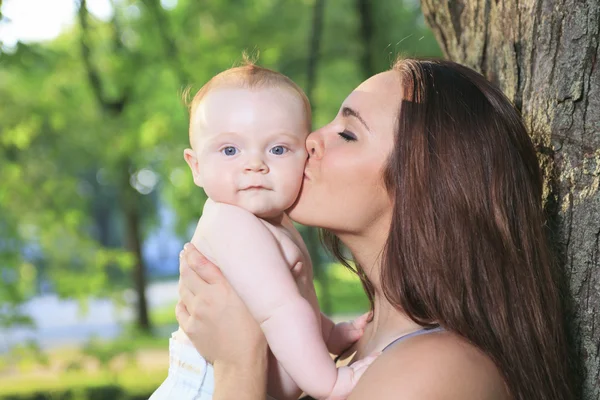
(225, 216)
(287, 243)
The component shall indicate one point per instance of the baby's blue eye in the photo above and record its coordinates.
(229, 151)
(278, 150)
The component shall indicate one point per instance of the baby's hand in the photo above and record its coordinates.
(345, 334)
(348, 377)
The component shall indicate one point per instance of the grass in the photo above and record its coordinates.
(132, 380)
(126, 368)
(134, 364)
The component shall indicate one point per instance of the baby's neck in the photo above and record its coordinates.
(276, 220)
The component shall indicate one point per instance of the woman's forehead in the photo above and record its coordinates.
(384, 82)
(380, 93)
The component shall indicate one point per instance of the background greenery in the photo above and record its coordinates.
(92, 128)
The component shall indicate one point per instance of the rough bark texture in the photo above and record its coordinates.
(544, 55)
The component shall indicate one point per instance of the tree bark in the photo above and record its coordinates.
(544, 55)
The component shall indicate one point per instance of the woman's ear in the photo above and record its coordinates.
(192, 160)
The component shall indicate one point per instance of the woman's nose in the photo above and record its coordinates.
(314, 146)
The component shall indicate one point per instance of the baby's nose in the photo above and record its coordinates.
(256, 165)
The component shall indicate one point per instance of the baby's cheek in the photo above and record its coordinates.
(219, 188)
(292, 187)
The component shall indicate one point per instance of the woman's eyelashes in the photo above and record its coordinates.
(347, 136)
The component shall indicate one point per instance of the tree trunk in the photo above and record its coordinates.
(133, 243)
(113, 108)
(544, 55)
(366, 33)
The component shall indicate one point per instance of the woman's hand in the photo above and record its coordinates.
(220, 326)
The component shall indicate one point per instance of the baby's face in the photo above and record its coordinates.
(249, 148)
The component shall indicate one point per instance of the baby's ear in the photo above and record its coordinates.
(192, 160)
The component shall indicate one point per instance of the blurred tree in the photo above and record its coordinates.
(120, 162)
(388, 30)
(544, 56)
(311, 235)
(93, 124)
(44, 219)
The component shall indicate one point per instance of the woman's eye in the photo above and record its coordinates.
(279, 150)
(347, 136)
(229, 151)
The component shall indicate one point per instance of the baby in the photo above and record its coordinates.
(248, 127)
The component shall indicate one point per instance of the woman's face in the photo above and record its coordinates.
(343, 189)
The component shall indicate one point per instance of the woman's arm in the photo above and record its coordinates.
(240, 360)
(244, 380)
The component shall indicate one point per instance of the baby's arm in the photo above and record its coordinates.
(265, 283)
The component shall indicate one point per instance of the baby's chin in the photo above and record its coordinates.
(264, 212)
(263, 209)
(262, 206)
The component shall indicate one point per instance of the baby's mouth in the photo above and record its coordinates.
(254, 187)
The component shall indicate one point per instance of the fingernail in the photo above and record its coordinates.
(181, 254)
(186, 246)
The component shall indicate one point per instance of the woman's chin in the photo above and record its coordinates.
(296, 214)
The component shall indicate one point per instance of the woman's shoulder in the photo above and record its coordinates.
(431, 367)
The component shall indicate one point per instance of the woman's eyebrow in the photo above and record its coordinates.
(347, 112)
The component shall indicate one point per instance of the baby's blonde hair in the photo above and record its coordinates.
(249, 76)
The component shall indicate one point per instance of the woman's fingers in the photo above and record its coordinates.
(186, 297)
(189, 279)
(181, 314)
(201, 265)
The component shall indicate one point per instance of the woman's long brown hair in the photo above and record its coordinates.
(467, 247)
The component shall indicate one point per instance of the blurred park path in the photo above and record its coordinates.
(64, 323)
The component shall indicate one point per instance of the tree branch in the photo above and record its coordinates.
(169, 43)
(314, 44)
(366, 29)
(112, 106)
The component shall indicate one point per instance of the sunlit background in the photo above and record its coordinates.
(95, 198)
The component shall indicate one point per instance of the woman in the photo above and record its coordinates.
(427, 175)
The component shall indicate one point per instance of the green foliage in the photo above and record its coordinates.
(346, 292)
(347, 296)
(82, 115)
(25, 355)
